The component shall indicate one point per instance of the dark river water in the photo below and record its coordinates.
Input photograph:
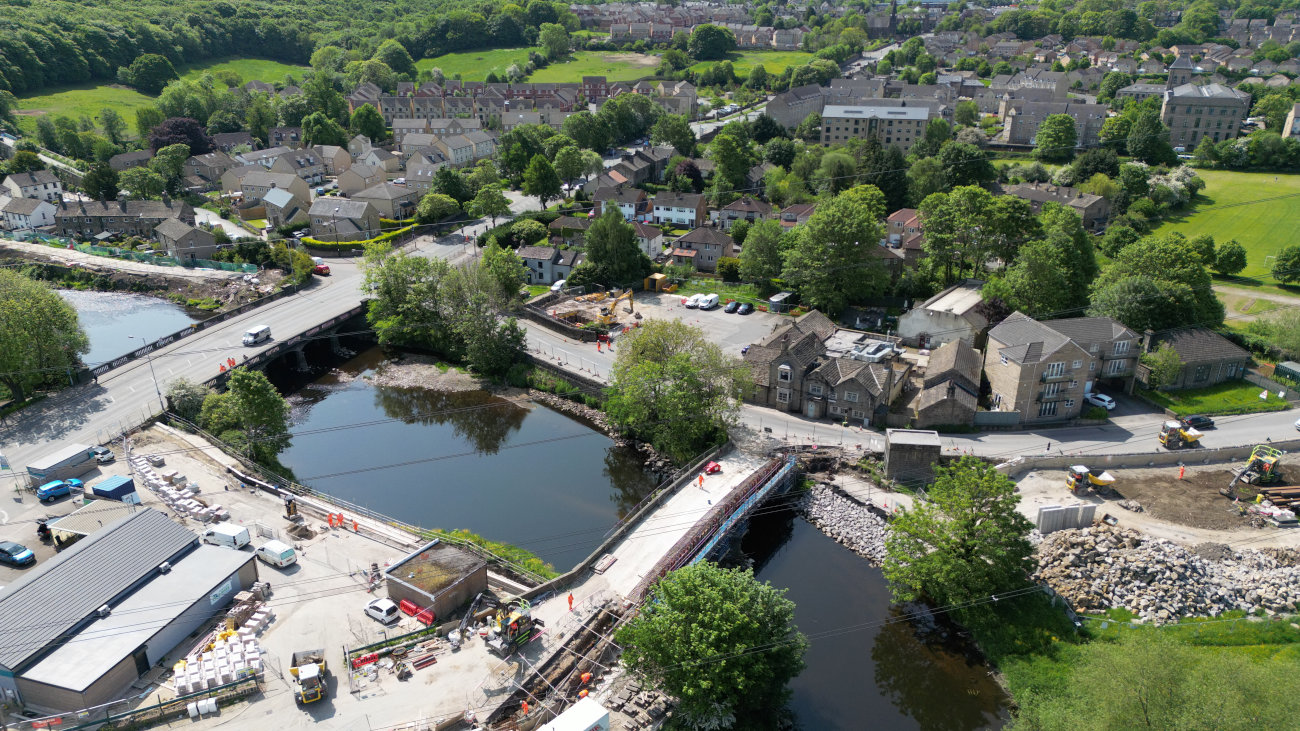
(118, 322)
(531, 476)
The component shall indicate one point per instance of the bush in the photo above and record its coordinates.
(729, 269)
(349, 245)
(502, 231)
(1096, 412)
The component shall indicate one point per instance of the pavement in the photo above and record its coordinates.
(90, 261)
(10, 142)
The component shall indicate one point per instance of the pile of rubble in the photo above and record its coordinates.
(848, 523)
(1103, 567)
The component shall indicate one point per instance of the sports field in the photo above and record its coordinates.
(1260, 210)
(774, 61)
(613, 65)
(476, 65)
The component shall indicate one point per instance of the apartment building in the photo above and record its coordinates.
(901, 126)
(1194, 112)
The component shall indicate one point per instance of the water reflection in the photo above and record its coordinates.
(112, 319)
(477, 417)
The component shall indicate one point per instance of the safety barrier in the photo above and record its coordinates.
(1021, 465)
(104, 717)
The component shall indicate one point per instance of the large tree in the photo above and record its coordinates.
(489, 202)
(40, 337)
(369, 122)
(588, 130)
(251, 416)
(833, 261)
(100, 182)
(181, 131)
(673, 387)
(395, 56)
(569, 164)
(555, 39)
(762, 257)
(710, 42)
(435, 207)
(149, 73)
(1148, 139)
(720, 642)
(1286, 267)
(675, 130)
(1056, 138)
(614, 258)
(319, 129)
(541, 180)
(142, 183)
(966, 542)
(1176, 269)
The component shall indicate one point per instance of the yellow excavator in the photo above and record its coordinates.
(1261, 469)
(607, 313)
(1080, 479)
(1178, 434)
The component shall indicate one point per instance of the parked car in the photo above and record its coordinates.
(57, 489)
(708, 302)
(1297, 423)
(745, 308)
(383, 611)
(1100, 399)
(731, 307)
(1199, 422)
(693, 301)
(322, 270)
(16, 554)
(103, 455)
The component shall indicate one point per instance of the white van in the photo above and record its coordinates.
(693, 301)
(708, 301)
(226, 534)
(278, 554)
(257, 334)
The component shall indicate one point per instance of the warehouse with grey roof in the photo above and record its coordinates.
(79, 629)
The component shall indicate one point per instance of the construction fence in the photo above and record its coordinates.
(119, 715)
(60, 242)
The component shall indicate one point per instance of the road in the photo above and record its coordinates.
(10, 142)
(702, 128)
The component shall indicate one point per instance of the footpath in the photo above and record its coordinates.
(82, 259)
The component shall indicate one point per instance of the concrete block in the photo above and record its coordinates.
(1087, 514)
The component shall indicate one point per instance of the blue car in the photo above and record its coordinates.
(16, 554)
(57, 489)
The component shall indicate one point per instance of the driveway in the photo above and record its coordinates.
(232, 229)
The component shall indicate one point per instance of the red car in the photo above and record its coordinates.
(321, 269)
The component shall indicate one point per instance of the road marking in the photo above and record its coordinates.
(4, 517)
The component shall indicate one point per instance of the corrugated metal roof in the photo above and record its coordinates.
(92, 518)
(60, 594)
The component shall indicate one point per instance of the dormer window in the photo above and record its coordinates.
(783, 373)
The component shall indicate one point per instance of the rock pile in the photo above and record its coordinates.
(653, 460)
(846, 522)
(1103, 567)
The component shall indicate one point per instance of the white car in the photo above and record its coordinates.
(383, 611)
(1100, 399)
(693, 301)
(1297, 423)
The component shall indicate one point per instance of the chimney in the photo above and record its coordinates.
(121, 203)
(1148, 335)
(166, 199)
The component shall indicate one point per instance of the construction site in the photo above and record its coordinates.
(613, 310)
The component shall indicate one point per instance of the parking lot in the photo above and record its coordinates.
(730, 331)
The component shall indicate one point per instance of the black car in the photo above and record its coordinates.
(731, 307)
(745, 308)
(16, 554)
(1200, 422)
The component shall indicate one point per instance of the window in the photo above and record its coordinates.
(1092, 366)
(1094, 348)
(1077, 365)
(1074, 384)
(1116, 366)
(1048, 408)
(1055, 369)
(783, 373)
(783, 396)
(1202, 372)
(1121, 347)
(1004, 360)
(1051, 390)
(1069, 403)
(851, 396)
(815, 389)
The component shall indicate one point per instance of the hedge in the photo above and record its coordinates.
(348, 245)
(387, 223)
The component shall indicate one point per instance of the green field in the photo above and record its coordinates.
(613, 65)
(1259, 210)
(89, 99)
(1232, 397)
(475, 65)
(249, 69)
(774, 61)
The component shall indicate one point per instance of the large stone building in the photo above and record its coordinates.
(1194, 112)
(85, 219)
(901, 126)
(1022, 118)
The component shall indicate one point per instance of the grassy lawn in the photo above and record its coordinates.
(74, 101)
(1233, 397)
(249, 69)
(1257, 209)
(536, 290)
(613, 65)
(476, 65)
(774, 61)
(724, 290)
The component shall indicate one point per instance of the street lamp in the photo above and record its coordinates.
(157, 389)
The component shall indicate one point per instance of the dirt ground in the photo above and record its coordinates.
(1193, 501)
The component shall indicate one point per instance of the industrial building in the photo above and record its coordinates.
(80, 629)
(437, 577)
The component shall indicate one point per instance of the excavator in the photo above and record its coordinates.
(1080, 479)
(458, 636)
(1261, 469)
(607, 314)
(1178, 434)
(512, 627)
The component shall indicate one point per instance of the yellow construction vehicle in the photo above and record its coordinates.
(308, 671)
(1261, 469)
(608, 314)
(1081, 479)
(1178, 434)
(512, 627)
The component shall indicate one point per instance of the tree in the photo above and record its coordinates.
(779, 151)
(169, 163)
(710, 42)
(569, 164)
(395, 56)
(185, 398)
(1056, 138)
(1114, 81)
(329, 58)
(1038, 283)
(527, 232)
(369, 72)
(112, 124)
(541, 180)
(23, 161)
(1143, 303)
(732, 160)
(149, 73)
(1165, 365)
(588, 130)
(1273, 108)
(1286, 267)
(1229, 258)
(41, 340)
(761, 258)
(765, 128)
(832, 261)
(673, 387)
(613, 253)
(1148, 139)
(489, 202)
(719, 641)
(146, 119)
(181, 130)
(369, 122)
(810, 129)
(965, 543)
(450, 182)
(100, 182)
(319, 129)
(435, 207)
(966, 164)
(967, 113)
(555, 39)
(673, 129)
(258, 412)
(142, 183)
(506, 271)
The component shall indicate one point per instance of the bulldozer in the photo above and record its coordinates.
(308, 672)
(1178, 434)
(608, 314)
(1080, 479)
(512, 627)
(1261, 468)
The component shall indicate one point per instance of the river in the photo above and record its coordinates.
(112, 319)
(526, 475)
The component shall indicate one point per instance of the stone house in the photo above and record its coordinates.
(86, 219)
(377, 157)
(649, 238)
(797, 214)
(339, 219)
(630, 202)
(1094, 210)
(128, 160)
(256, 184)
(391, 200)
(290, 137)
(284, 208)
(209, 167)
(1208, 357)
(39, 184)
(359, 177)
(569, 229)
(547, 264)
(183, 241)
(335, 159)
(953, 314)
(706, 245)
(950, 390)
(744, 208)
